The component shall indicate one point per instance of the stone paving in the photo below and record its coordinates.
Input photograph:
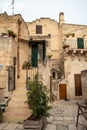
(62, 117)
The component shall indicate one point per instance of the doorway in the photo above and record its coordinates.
(11, 78)
(78, 85)
(62, 91)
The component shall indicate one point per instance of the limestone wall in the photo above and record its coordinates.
(73, 63)
(48, 27)
(78, 30)
(84, 83)
(17, 24)
(8, 50)
(11, 23)
(72, 67)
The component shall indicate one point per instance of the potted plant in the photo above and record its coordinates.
(11, 34)
(38, 103)
(26, 64)
(70, 34)
(49, 56)
(65, 46)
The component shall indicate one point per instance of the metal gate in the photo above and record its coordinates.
(11, 78)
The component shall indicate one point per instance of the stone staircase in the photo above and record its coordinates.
(21, 82)
(17, 110)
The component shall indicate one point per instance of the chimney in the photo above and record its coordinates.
(61, 18)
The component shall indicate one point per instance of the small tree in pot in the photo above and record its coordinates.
(38, 102)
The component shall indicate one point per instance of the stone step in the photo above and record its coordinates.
(17, 110)
(20, 84)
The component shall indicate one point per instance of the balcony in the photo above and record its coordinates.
(71, 45)
(74, 48)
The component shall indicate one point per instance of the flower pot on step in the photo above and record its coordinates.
(34, 124)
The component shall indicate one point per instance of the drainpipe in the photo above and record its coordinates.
(18, 49)
(50, 88)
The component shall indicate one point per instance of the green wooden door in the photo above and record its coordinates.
(35, 55)
(80, 43)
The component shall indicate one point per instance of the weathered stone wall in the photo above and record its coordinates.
(53, 46)
(72, 67)
(48, 27)
(78, 30)
(19, 27)
(23, 56)
(11, 23)
(73, 63)
(84, 83)
(8, 50)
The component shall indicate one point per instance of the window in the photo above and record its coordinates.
(38, 29)
(80, 43)
(54, 75)
(1, 66)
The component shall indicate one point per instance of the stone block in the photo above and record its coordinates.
(50, 127)
(62, 127)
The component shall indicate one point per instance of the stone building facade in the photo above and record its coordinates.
(13, 52)
(67, 43)
(45, 36)
(58, 51)
(75, 59)
(7, 45)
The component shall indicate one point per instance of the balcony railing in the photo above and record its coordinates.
(72, 44)
(31, 73)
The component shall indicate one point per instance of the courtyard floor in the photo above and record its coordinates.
(63, 116)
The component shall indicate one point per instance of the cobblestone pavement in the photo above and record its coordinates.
(62, 117)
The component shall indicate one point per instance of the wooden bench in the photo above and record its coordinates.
(82, 111)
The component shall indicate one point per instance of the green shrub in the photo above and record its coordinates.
(38, 99)
(11, 33)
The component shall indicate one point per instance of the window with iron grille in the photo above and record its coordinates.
(38, 29)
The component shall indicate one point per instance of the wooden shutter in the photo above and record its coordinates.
(78, 86)
(80, 43)
(35, 55)
(38, 29)
(44, 50)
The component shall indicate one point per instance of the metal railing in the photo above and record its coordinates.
(31, 73)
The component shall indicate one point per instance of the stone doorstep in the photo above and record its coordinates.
(69, 120)
(62, 127)
(50, 127)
